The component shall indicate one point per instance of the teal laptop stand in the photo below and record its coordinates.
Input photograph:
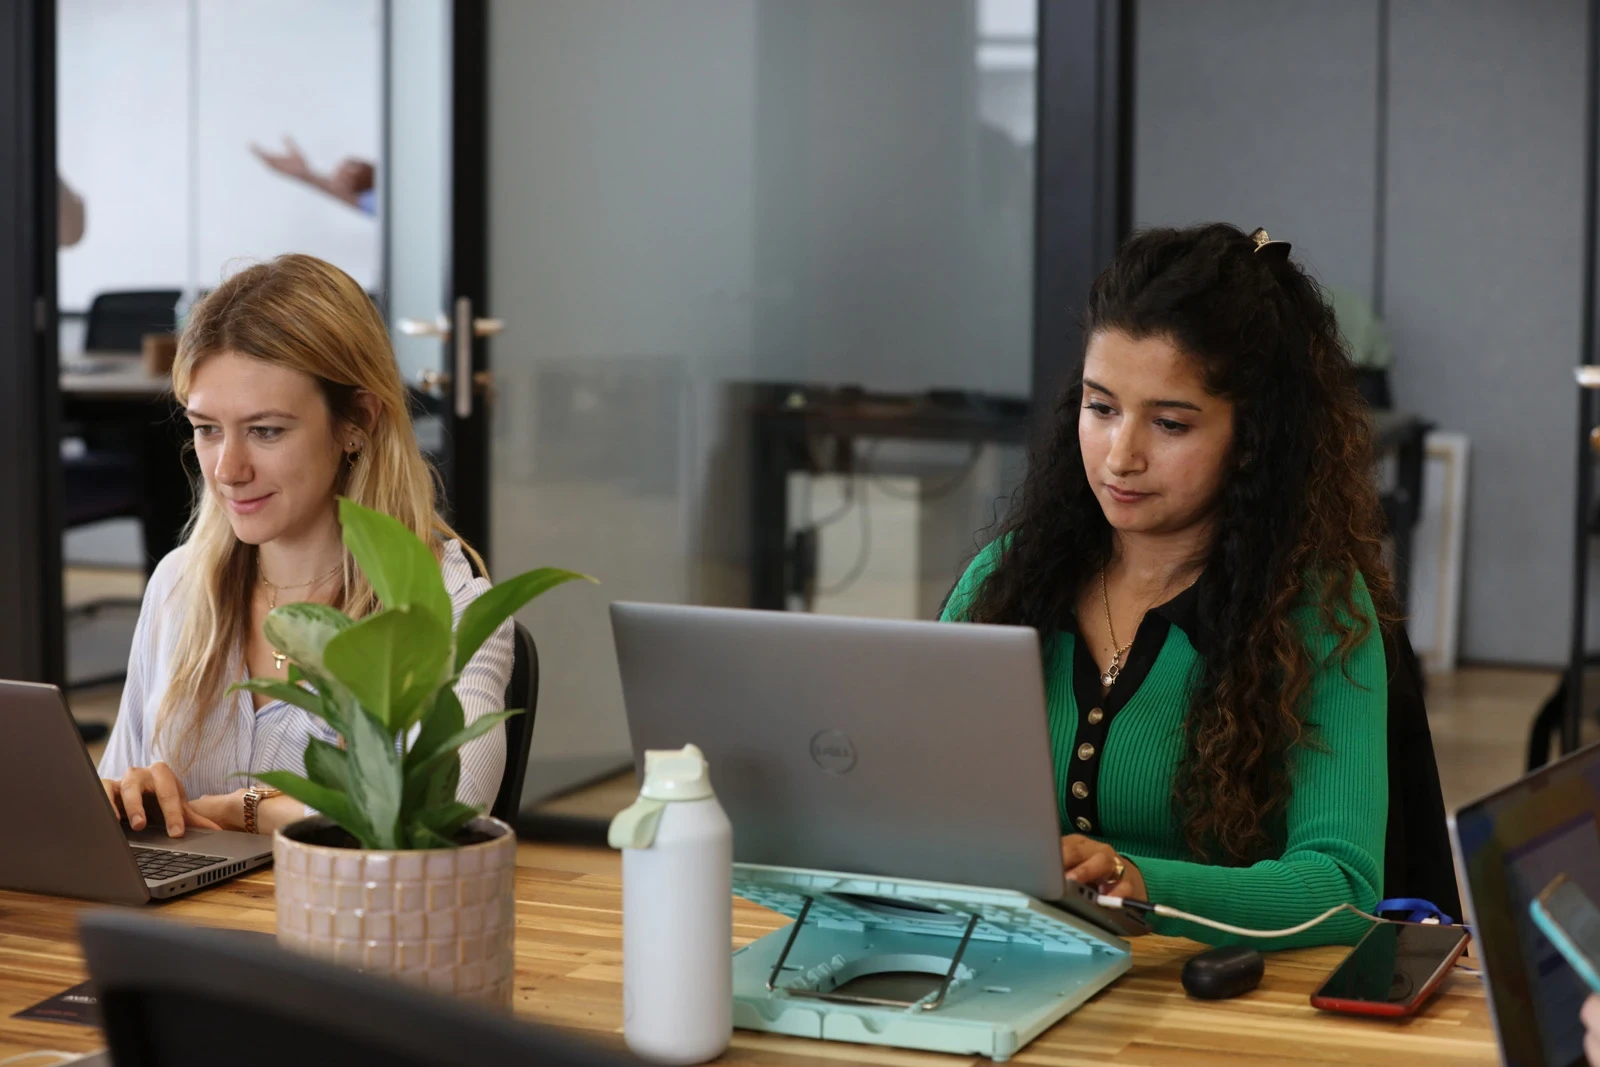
(917, 965)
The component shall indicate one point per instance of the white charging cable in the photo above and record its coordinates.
(1107, 901)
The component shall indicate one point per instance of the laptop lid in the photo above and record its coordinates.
(870, 746)
(62, 836)
(1508, 846)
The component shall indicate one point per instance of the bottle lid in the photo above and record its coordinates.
(676, 774)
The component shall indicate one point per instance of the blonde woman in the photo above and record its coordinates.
(288, 379)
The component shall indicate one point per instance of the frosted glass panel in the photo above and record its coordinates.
(157, 105)
(690, 199)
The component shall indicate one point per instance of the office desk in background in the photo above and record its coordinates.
(569, 973)
(789, 421)
(112, 390)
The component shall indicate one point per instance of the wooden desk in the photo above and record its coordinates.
(112, 374)
(569, 972)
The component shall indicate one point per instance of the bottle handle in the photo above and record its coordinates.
(635, 826)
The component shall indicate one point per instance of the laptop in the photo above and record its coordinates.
(1508, 846)
(866, 746)
(64, 838)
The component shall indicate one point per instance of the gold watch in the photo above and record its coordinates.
(252, 802)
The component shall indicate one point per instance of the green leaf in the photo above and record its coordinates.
(376, 780)
(447, 719)
(298, 695)
(449, 745)
(422, 837)
(484, 615)
(434, 785)
(393, 662)
(339, 807)
(302, 632)
(402, 569)
(446, 819)
(328, 765)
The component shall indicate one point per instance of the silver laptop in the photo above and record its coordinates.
(868, 746)
(1508, 846)
(64, 838)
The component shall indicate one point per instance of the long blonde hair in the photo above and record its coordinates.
(305, 314)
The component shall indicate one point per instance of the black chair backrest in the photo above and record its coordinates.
(1416, 857)
(522, 692)
(174, 995)
(117, 322)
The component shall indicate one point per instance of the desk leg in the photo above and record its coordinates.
(769, 516)
(1403, 520)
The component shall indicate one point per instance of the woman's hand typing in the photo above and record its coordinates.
(134, 792)
(1094, 863)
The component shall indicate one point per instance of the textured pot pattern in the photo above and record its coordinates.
(441, 918)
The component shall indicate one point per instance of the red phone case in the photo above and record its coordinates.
(1393, 1011)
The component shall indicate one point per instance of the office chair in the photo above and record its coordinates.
(521, 692)
(175, 996)
(1417, 858)
(117, 322)
(99, 485)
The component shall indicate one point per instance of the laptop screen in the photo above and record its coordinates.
(1509, 845)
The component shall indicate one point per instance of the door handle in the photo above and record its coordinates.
(459, 334)
(437, 382)
(439, 327)
(433, 382)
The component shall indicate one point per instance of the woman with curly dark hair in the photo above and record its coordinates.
(1198, 547)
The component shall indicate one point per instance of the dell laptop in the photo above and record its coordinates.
(904, 749)
(64, 838)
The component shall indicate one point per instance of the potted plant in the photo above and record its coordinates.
(395, 876)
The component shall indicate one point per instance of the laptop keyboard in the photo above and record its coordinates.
(158, 864)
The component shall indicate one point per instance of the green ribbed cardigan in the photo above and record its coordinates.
(1333, 829)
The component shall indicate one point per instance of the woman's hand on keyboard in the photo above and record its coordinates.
(1095, 863)
(131, 795)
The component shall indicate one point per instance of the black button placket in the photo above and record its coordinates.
(1096, 709)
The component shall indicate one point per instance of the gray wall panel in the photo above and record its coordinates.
(1483, 287)
(1262, 113)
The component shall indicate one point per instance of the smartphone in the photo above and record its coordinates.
(1392, 970)
(1566, 915)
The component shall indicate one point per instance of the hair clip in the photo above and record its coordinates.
(1277, 251)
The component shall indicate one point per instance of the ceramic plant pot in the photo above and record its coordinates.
(441, 918)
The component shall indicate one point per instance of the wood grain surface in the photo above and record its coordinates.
(569, 973)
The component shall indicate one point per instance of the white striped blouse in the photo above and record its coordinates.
(274, 738)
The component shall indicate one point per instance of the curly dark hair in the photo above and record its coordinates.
(1298, 519)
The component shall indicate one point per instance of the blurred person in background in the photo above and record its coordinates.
(69, 215)
(354, 181)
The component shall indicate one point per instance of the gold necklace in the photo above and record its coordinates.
(1109, 678)
(278, 658)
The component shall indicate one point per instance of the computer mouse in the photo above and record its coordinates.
(1223, 972)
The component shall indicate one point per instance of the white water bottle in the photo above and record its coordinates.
(677, 912)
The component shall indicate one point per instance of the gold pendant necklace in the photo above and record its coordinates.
(1114, 669)
(279, 658)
